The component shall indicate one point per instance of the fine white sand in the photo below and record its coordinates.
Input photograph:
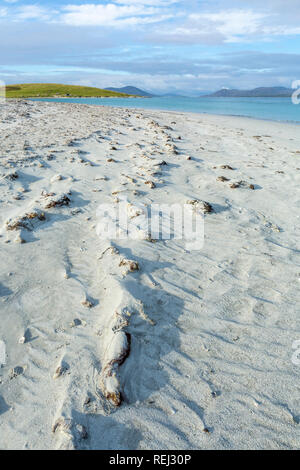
(195, 347)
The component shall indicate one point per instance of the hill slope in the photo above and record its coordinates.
(40, 90)
(131, 90)
(262, 92)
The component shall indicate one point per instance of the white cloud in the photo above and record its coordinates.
(112, 14)
(229, 26)
(193, 22)
(3, 12)
(232, 23)
(153, 3)
(32, 12)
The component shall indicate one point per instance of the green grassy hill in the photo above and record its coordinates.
(47, 90)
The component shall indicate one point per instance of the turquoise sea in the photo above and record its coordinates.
(275, 109)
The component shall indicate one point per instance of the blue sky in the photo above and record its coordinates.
(158, 45)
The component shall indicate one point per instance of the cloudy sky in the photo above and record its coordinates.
(158, 45)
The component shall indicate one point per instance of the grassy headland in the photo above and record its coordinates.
(47, 90)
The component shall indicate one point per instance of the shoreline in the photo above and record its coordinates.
(166, 110)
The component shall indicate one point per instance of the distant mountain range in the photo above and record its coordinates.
(262, 92)
(131, 90)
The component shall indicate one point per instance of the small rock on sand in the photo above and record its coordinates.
(56, 178)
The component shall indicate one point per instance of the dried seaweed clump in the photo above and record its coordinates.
(131, 266)
(87, 303)
(172, 148)
(226, 167)
(222, 178)
(55, 200)
(26, 221)
(241, 184)
(160, 163)
(116, 354)
(12, 176)
(73, 432)
(150, 184)
(62, 424)
(60, 370)
(203, 206)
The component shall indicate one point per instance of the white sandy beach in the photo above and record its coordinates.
(196, 347)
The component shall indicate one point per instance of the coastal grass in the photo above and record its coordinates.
(54, 90)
